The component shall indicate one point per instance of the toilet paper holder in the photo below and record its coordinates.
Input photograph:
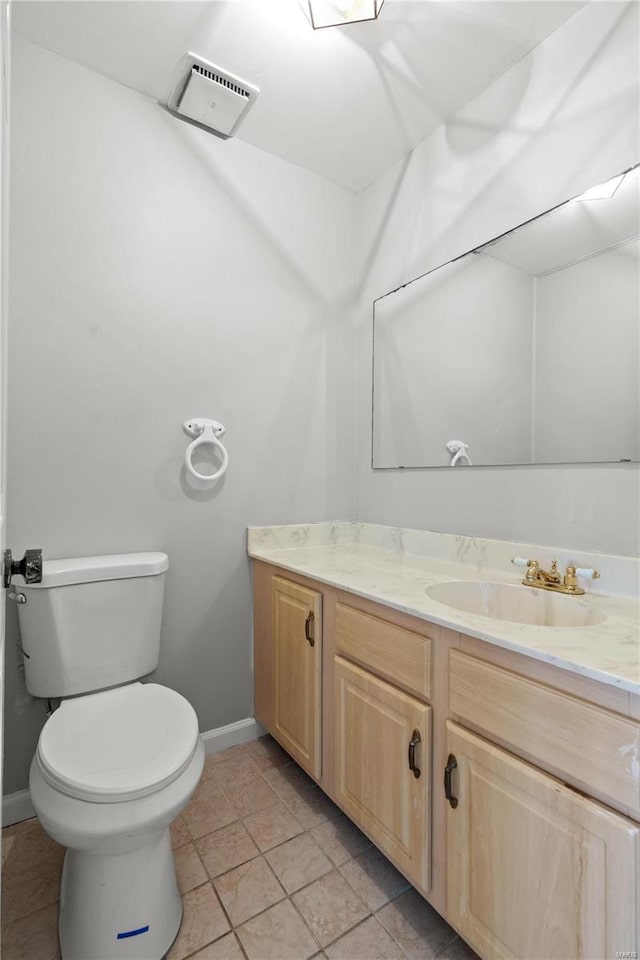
(205, 432)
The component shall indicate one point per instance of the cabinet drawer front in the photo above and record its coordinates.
(398, 655)
(582, 744)
(375, 725)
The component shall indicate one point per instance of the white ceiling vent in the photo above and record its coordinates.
(210, 97)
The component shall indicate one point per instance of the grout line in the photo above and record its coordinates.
(242, 949)
(449, 943)
(217, 940)
(389, 933)
(222, 906)
(323, 947)
(202, 864)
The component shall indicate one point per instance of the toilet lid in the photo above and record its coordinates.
(118, 744)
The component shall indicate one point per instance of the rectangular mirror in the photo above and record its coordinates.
(524, 350)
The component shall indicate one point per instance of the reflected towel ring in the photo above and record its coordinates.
(205, 431)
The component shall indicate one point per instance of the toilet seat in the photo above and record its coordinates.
(118, 744)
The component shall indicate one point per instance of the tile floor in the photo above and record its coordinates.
(268, 867)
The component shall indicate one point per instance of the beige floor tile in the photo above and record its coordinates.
(330, 907)
(7, 843)
(248, 890)
(210, 763)
(24, 894)
(248, 798)
(179, 832)
(272, 826)
(266, 753)
(264, 763)
(312, 807)
(189, 870)
(21, 827)
(298, 862)
(236, 772)
(340, 839)
(277, 934)
(229, 754)
(33, 938)
(203, 921)
(369, 941)
(458, 950)
(416, 926)
(209, 810)
(205, 788)
(374, 879)
(289, 780)
(226, 848)
(226, 948)
(27, 849)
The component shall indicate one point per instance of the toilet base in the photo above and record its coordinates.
(123, 906)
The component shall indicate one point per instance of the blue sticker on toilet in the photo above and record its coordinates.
(132, 933)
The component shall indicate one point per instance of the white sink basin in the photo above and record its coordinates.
(516, 603)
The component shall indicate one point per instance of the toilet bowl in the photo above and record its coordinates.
(117, 761)
(111, 772)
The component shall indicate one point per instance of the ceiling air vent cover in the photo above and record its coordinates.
(209, 96)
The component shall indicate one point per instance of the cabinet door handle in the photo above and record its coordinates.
(415, 740)
(307, 628)
(452, 763)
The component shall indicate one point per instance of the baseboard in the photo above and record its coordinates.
(18, 806)
(234, 733)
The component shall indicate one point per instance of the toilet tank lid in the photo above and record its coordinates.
(117, 566)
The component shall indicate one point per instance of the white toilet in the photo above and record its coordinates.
(118, 760)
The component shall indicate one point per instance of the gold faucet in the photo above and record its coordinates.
(551, 579)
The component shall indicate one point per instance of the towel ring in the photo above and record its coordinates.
(458, 449)
(204, 431)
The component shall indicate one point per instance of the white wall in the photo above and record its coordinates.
(587, 351)
(159, 273)
(563, 118)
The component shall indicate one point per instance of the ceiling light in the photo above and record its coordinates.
(603, 191)
(334, 13)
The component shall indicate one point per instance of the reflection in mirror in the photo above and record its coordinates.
(522, 351)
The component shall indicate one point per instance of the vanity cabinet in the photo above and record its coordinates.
(535, 852)
(535, 869)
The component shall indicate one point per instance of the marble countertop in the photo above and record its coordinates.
(373, 562)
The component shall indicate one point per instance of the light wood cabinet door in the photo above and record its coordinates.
(535, 869)
(374, 726)
(297, 656)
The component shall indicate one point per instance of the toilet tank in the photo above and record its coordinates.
(92, 623)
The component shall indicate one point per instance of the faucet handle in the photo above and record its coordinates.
(532, 570)
(571, 580)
